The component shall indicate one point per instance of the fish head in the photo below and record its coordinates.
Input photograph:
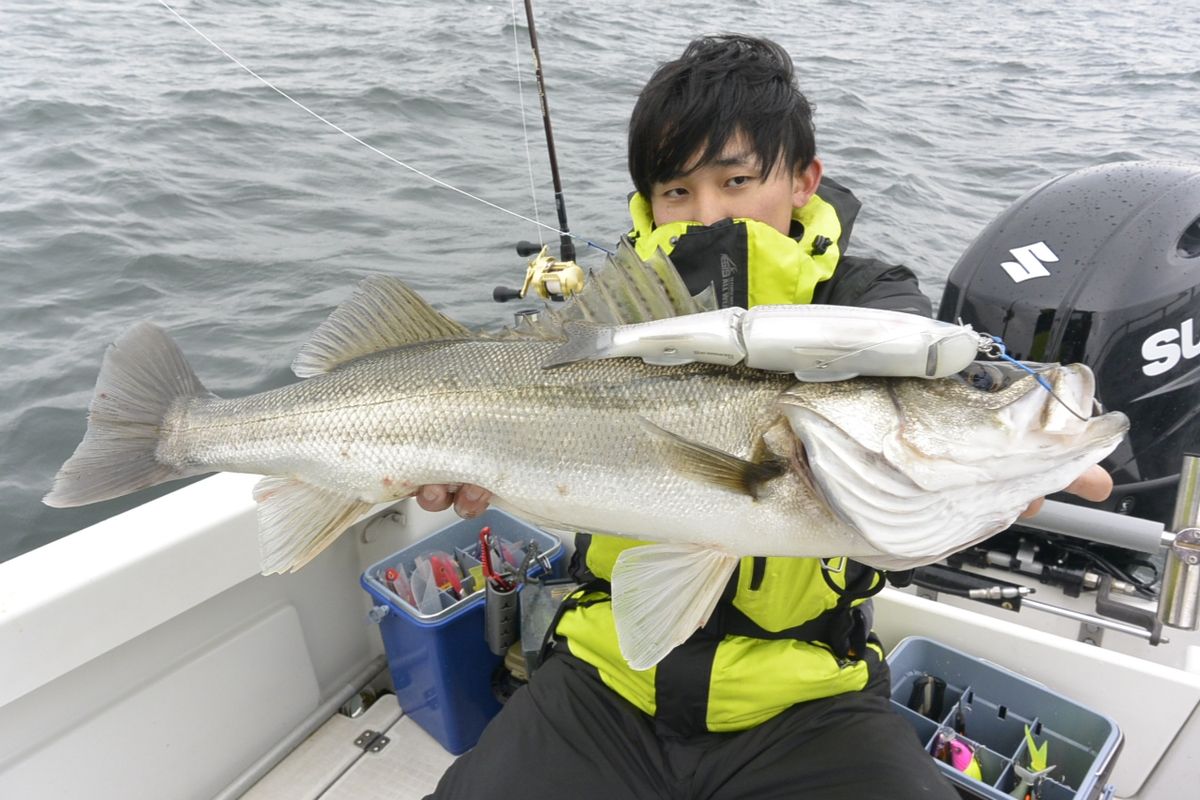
(998, 421)
(923, 468)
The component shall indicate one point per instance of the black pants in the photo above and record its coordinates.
(567, 735)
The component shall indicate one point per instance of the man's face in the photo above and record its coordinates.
(732, 185)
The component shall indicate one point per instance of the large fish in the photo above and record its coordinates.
(712, 462)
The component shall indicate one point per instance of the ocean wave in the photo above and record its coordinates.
(145, 175)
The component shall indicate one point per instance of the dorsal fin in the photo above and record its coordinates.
(383, 313)
(624, 290)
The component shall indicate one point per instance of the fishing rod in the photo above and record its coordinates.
(567, 247)
(552, 279)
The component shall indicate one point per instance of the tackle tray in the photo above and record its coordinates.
(996, 705)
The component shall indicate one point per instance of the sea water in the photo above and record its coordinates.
(143, 175)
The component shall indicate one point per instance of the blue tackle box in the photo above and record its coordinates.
(993, 706)
(440, 663)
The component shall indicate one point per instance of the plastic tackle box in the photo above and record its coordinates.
(440, 664)
(994, 705)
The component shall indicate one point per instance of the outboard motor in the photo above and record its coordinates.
(1102, 266)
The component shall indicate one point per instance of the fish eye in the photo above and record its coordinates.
(991, 376)
(981, 375)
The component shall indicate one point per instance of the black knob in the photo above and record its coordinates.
(502, 294)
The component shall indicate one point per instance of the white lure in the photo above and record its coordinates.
(815, 342)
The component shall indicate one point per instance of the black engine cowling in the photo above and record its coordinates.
(1102, 266)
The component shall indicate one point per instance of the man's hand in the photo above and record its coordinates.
(468, 499)
(1095, 484)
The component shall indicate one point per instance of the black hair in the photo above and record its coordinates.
(719, 86)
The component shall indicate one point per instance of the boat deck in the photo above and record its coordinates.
(329, 765)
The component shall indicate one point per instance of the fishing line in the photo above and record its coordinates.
(998, 349)
(371, 147)
(524, 126)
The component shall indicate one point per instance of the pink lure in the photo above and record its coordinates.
(962, 758)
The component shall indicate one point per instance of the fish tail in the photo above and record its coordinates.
(143, 374)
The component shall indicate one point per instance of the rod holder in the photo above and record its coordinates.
(526, 319)
(1179, 598)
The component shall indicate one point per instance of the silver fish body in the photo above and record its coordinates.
(573, 446)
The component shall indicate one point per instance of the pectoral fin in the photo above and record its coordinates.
(662, 593)
(297, 520)
(715, 466)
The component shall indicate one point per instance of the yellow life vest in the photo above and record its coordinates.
(726, 681)
(748, 262)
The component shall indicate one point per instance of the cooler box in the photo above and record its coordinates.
(440, 664)
(996, 706)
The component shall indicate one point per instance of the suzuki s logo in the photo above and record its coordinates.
(1163, 350)
(1030, 263)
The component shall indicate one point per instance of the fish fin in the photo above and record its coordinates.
(383, 313)
(297, 520)
(624, 290)
(142, 375)
(585, 341)
(662, 593)
(715, 466)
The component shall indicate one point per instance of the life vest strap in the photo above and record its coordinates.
(843, 628)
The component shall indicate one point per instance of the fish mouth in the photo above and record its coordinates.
(1072, 401)
(1058, 399)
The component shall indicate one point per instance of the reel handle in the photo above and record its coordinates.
(502, 294)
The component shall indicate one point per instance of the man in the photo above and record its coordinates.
(783, 693)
